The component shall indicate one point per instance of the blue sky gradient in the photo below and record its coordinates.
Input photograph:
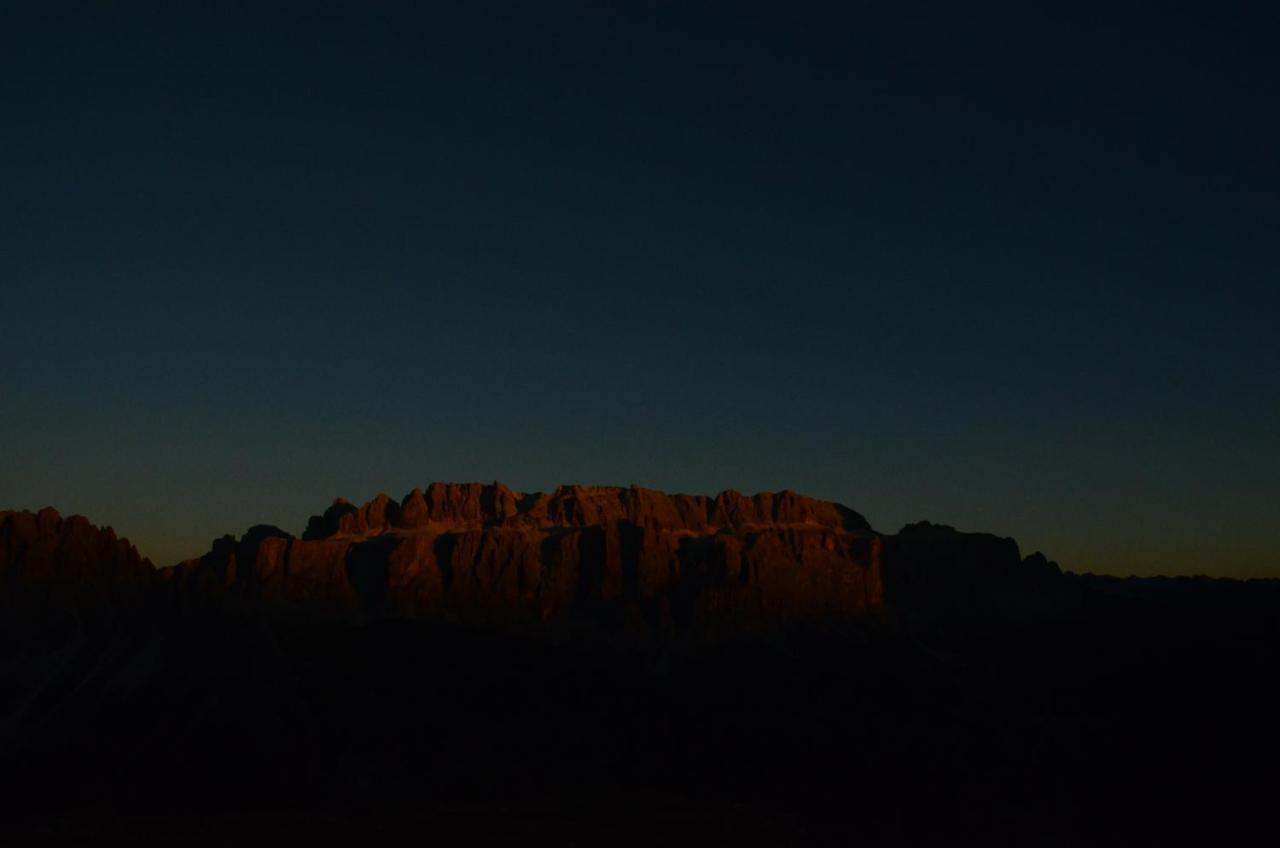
(1012, 269)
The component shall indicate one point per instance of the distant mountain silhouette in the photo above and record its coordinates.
(633, 558)
(597, 664)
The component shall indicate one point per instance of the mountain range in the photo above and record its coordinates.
(473, 663)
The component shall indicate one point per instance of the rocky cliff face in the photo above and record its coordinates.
(55, 569)
(637, 558)
(634, 561)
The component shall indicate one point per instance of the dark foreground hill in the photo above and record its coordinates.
(597, 665)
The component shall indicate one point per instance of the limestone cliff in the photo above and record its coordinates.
(638, 558)
(627, 561)
(66, 569)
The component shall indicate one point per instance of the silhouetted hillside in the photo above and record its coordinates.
(473, 664)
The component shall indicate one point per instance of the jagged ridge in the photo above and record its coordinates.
(635, 557)
(66, 568)
(470, 506)
(637, 560)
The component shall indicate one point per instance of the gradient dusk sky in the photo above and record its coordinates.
(1013, 268)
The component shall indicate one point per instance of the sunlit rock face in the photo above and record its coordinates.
(628, 562)
(639, 559)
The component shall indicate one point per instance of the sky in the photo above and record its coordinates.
(1013, 269)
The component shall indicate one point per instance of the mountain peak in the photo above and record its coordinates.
(465, 506)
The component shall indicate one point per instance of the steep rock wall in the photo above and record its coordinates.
(487, 554)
